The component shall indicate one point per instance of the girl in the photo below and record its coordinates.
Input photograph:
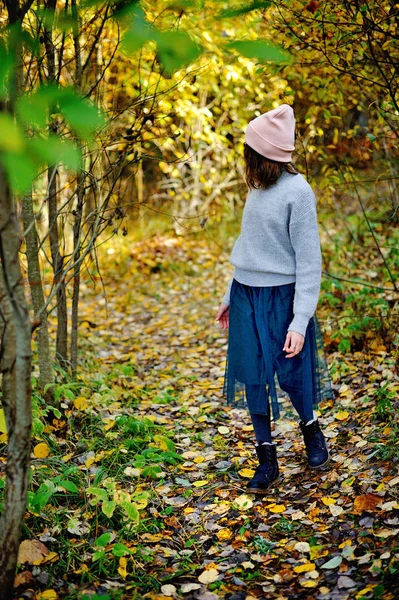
(271, 299)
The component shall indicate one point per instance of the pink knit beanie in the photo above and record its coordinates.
(273, 133)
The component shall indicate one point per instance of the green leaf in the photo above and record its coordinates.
(12, 138)
(21, 170)
(98, 555)
(120, 550)
(140, 33)
(99, 493)
(176, 49)
(82, 115)
(51, 150)
(131, 510)
(152, 471)
(7, 63)
(164, 442)
(230, 13)
(103, 540)
(260, 50)
(108, 507)
(34, 108)
(69, 486)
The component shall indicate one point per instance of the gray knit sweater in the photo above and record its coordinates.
(279, 243)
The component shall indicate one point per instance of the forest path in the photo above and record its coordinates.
(328, 534)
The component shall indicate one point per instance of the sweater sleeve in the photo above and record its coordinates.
(304, 235)
(226, 297)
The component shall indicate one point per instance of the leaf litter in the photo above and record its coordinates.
(158, 360)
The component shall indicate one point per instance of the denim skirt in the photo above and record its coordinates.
(259, 318)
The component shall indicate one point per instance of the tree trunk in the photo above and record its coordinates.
(57, 258)
(15, 366)
(76, 272)
(38, 300)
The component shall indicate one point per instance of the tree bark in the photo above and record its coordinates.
(76, 272)
(15, 366)
(37, 293)
(57, 258)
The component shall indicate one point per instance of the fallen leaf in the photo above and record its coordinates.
(168, 589)
(223, 430)
(333, 563)
(345, 582)
(209, 576)
(328, 501)
(243, 502)
(224, 534)
(342, 415)
(336, 510)
(366, 502)
(122, 569)
(248, 473)
(304, 568)
(32, 552)
(41, 450)
(200, 483)
(277, 508)
(47, 595)
(189, 587)
(383, 533)
(302, 547)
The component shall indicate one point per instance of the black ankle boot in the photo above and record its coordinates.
(317, 451)
(267, 471)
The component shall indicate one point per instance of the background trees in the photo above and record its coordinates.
(115, 112)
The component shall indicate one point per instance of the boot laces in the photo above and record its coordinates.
(315, 437)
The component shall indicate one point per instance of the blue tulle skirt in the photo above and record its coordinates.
(258, 321)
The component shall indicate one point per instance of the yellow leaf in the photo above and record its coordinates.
(246, 473)
(305, 567)
(369, 588)
(277, 508)
(41, 450)
(224, 534)
(80, 403)
(200, 483)
(342, 415)
(199, 459)
(122, 567)
(327, 500)
(164, 443)
(317, 552)
(308, 583)
(90, 461)
(50, 557)
(3, 426)
(47, 595)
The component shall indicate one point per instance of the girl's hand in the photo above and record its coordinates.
(293, 343)
(223, 316)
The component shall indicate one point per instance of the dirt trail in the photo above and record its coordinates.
(330, 534)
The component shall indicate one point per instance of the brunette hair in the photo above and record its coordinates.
(262, 172)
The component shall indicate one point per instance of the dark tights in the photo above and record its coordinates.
(261, 423)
